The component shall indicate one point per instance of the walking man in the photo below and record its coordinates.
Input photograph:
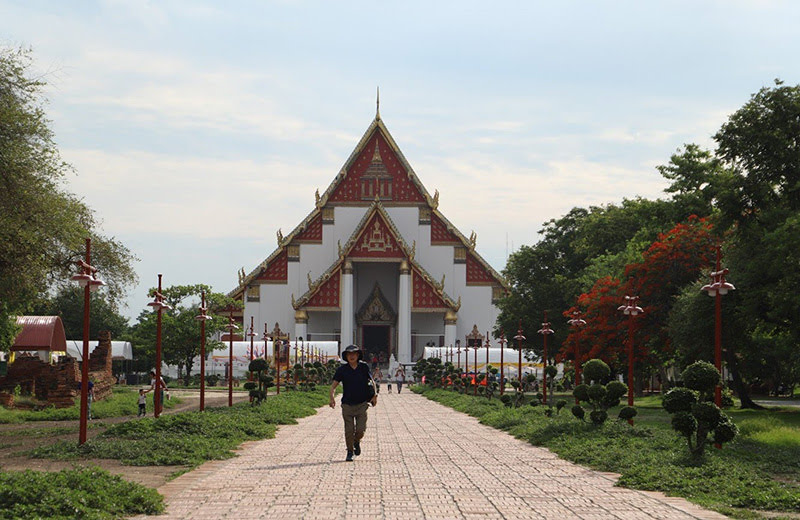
(359, 392)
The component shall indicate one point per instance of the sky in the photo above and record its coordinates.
(197, 129)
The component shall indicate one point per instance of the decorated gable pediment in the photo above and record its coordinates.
(477, 274)
(312, 234)
(426, 296)
(325, 295)
(440, 234)
(377, 172)
(376, 238)
(376, 309)
(276, 270)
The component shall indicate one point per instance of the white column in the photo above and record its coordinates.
(450, 320)
(404, 314)
(301, 324)
(347, 304)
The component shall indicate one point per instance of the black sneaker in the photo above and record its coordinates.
(349, 456)
(356, 449)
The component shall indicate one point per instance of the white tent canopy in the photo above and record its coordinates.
(510, 360)
(217, 360)
(119, 349)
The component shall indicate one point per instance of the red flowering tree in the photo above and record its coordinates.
(674, 260)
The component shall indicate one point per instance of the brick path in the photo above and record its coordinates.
(420, 460)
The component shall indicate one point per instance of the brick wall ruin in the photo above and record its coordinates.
(59, 383)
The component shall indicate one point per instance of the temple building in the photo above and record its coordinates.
(375, 263)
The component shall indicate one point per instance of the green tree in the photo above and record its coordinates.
(42, 225)
(180, 332)
(68, 303)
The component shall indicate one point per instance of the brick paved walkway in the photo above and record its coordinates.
(420, 460)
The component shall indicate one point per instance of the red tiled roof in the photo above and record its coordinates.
(40, 333)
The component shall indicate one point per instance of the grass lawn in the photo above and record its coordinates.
(90, 494)
(758, 471)
(190, 438)
(123, 401)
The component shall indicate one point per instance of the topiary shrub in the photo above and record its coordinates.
(258, 388)
(694, 416)
(560, 404)
(578, 412)
(596, 371)
(600, 397)
(506, 400)
(627, 413)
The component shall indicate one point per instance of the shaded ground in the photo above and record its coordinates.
(15, 439)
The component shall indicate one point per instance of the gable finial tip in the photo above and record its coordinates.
(378, 103)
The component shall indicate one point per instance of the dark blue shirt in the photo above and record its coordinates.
(355, 382)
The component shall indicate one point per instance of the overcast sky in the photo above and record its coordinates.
(197, 129)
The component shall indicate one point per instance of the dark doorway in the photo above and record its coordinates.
(376, 342)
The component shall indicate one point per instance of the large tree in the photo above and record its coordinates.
(68, 303)
(42, 225)
(180, 337)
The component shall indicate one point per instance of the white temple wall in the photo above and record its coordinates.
(427, 326)
(345, 218)
(476, 309)
(321, 325)
(275, 306)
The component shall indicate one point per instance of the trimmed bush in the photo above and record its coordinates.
(694, 415)
(596, 370)
(578, 412)
(627, 413)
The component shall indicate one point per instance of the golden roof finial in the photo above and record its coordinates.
(378, 104)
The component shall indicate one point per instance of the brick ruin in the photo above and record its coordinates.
(59, 383)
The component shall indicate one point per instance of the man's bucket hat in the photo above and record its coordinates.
(353, 348)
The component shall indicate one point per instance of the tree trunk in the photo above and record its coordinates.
(738, 384)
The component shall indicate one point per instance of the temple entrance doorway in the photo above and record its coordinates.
(376, 340)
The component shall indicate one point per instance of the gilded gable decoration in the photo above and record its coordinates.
(280, 237)
(293, 252)
(327, 215)
(253, 293)
(459, 255)
(424, 215)
(375, 241)
(376, 309)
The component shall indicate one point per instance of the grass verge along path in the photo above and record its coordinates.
(758, 471)
(123, 401)
(190, 438)
(91, 494)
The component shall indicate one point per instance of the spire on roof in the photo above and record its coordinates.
(378, 104)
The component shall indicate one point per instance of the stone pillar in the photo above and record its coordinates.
(450, 320)
(301, 324)
(347, 304)
(404, 314)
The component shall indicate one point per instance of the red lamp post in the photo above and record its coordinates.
(458, 353)
(717, 289)
(631, 309)
(520, 338)
(577, 322)
(159, 306)
(502, 342)
(202, 318)
(231, 327)
(477, 347)
(545, 331)
(487, 357)
(87, 280)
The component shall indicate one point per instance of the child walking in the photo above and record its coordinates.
(142, 403)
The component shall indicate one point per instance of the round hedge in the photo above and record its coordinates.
(578, 411)
(628, 412)
(551, 371)
(701, 376)
(707, 413)
(258, 365)
(595, 370)
(581, 392)
(725, 431)
(616, 389)
(684, 423)
(679, 399)
(597, 392)
(598, 417)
